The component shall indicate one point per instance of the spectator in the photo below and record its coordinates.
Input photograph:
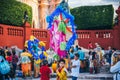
(14, 62)
(99, 53)
(76, 48)
(75, 66)
(1, 75)
(45, 71)
(61, 71)
(97, 47)
(90, 62)
(81, 54)
(108, 55)
(50, 56)
(2, 53)
(103, 51)
(90, 46)
(71, 53)
(113, 59)
(9, 57)
(95, 59)
(116, 68)
(6, 50)
(81, 58)
(26, 63)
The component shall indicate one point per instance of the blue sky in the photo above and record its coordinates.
(77, 3)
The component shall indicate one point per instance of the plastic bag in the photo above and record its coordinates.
(4, 66)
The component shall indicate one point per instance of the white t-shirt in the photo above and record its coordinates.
(116, 69)
(75, 71)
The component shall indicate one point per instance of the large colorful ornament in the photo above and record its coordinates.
(59, 22)
(33, 47)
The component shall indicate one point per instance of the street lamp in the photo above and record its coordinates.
(25, 16)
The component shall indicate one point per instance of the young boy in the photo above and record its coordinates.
(75, 66)
(61, 71)
(45, 71)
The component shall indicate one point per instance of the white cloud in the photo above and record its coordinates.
(77, 3)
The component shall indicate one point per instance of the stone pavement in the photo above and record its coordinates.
(83, 76)
(100, 76)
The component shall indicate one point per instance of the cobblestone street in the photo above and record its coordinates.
(83, 76)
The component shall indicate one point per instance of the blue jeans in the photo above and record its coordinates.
(74, 78)
(14, 68)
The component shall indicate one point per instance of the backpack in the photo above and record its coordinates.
(4, 66)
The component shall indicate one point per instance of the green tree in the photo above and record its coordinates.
(12, 12)
(93, 17)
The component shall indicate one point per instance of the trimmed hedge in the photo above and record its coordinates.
(93, 17)
(12, 12)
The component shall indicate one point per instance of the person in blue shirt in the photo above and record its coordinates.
(81, 54)
(116, 68)
(76, 48)
(71, 54)
(81, 58)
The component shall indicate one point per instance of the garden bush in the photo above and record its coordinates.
(12, 12)
(93, 17)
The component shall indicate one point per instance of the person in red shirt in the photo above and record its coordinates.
(9, 57)
(90, 46)
(45, 71)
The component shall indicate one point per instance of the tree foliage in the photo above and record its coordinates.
(12, 12)
(93, 17)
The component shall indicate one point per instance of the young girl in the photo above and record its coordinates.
(61, 71)
(45, 71)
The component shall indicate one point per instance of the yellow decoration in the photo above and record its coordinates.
(42, 43)
(37, 61)
(45, 54)
(26, 54)
(32, 37)
(26, 44)
(66, 63)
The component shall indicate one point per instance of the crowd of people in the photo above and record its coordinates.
(75, 62)
(10, 56)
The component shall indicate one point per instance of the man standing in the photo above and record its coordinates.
(81, 58)
(90, 46)
(75, 66)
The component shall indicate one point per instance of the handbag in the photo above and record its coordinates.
(4, 66)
